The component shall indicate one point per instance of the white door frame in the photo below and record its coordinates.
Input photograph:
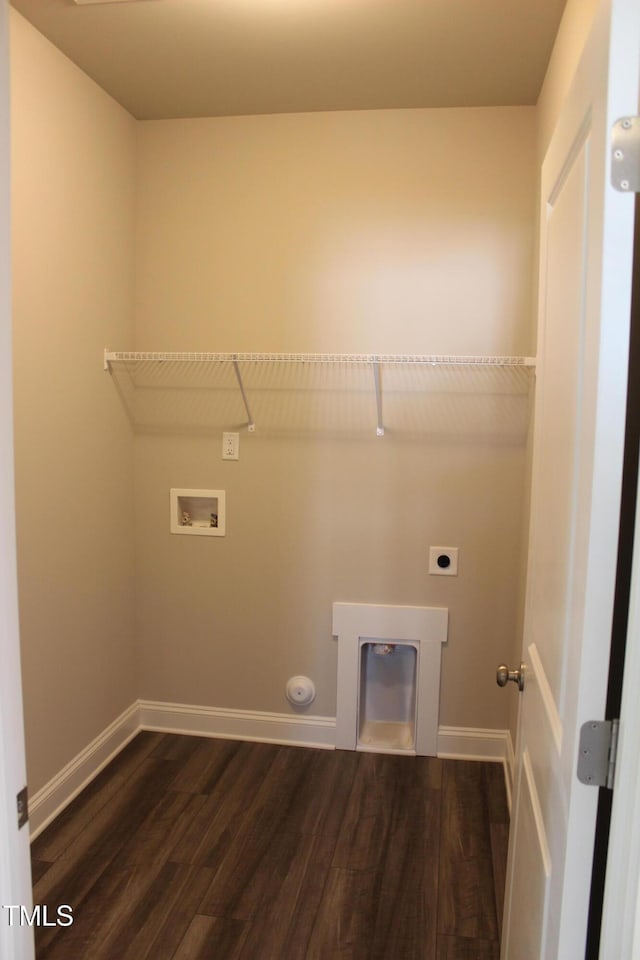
(620, 930)
(620, 933)
(620, 938)
(16, 941)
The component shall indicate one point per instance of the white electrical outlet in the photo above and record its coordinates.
(230, 446)
(443, 561)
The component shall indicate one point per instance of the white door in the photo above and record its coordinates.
(584, 294)
(16, 942)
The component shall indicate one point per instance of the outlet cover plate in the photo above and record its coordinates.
(443, 561)
(230, 446)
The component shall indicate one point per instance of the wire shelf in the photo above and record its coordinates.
(403, 393)
(334, 358)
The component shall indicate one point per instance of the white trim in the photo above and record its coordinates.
(509, 768)
(285, 728)
(51, 800)
(621, 910)
(354, 623)
(549, 703)
(16, 941)
(454, 743)
(538, 817)
(472, 743)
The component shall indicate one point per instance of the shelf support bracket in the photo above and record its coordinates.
(251, 424)
(378, 386)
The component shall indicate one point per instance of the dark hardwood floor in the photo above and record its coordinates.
(186, 848)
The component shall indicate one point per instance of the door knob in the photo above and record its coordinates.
(504, 675)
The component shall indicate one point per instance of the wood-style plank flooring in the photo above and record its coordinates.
(187, 848)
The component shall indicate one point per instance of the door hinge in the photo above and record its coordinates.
(22, 803)
(625, 155)
(597, 753)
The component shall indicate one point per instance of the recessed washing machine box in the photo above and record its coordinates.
(198, 512)
(387, 695)
(389, 677)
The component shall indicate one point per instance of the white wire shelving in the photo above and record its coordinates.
(244, 367)
(366, 358)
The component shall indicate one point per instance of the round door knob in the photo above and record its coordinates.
(504, 675)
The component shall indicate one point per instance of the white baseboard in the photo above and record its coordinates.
(285, 728)
(456, 743)
(51, 800)
(470, 743)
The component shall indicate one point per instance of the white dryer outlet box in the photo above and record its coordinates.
(443, 561)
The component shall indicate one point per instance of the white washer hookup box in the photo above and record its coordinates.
(199, 513)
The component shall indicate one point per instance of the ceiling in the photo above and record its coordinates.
(194, 58)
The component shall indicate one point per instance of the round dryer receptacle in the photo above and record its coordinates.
(300, 691)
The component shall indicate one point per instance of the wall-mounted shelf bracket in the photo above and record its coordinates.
(378, 387)
(250, 421)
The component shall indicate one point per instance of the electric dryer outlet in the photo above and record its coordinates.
(443, 561)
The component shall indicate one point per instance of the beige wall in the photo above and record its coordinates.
(392, 231)
(387, 231)
(73, 182)
(398, 231)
